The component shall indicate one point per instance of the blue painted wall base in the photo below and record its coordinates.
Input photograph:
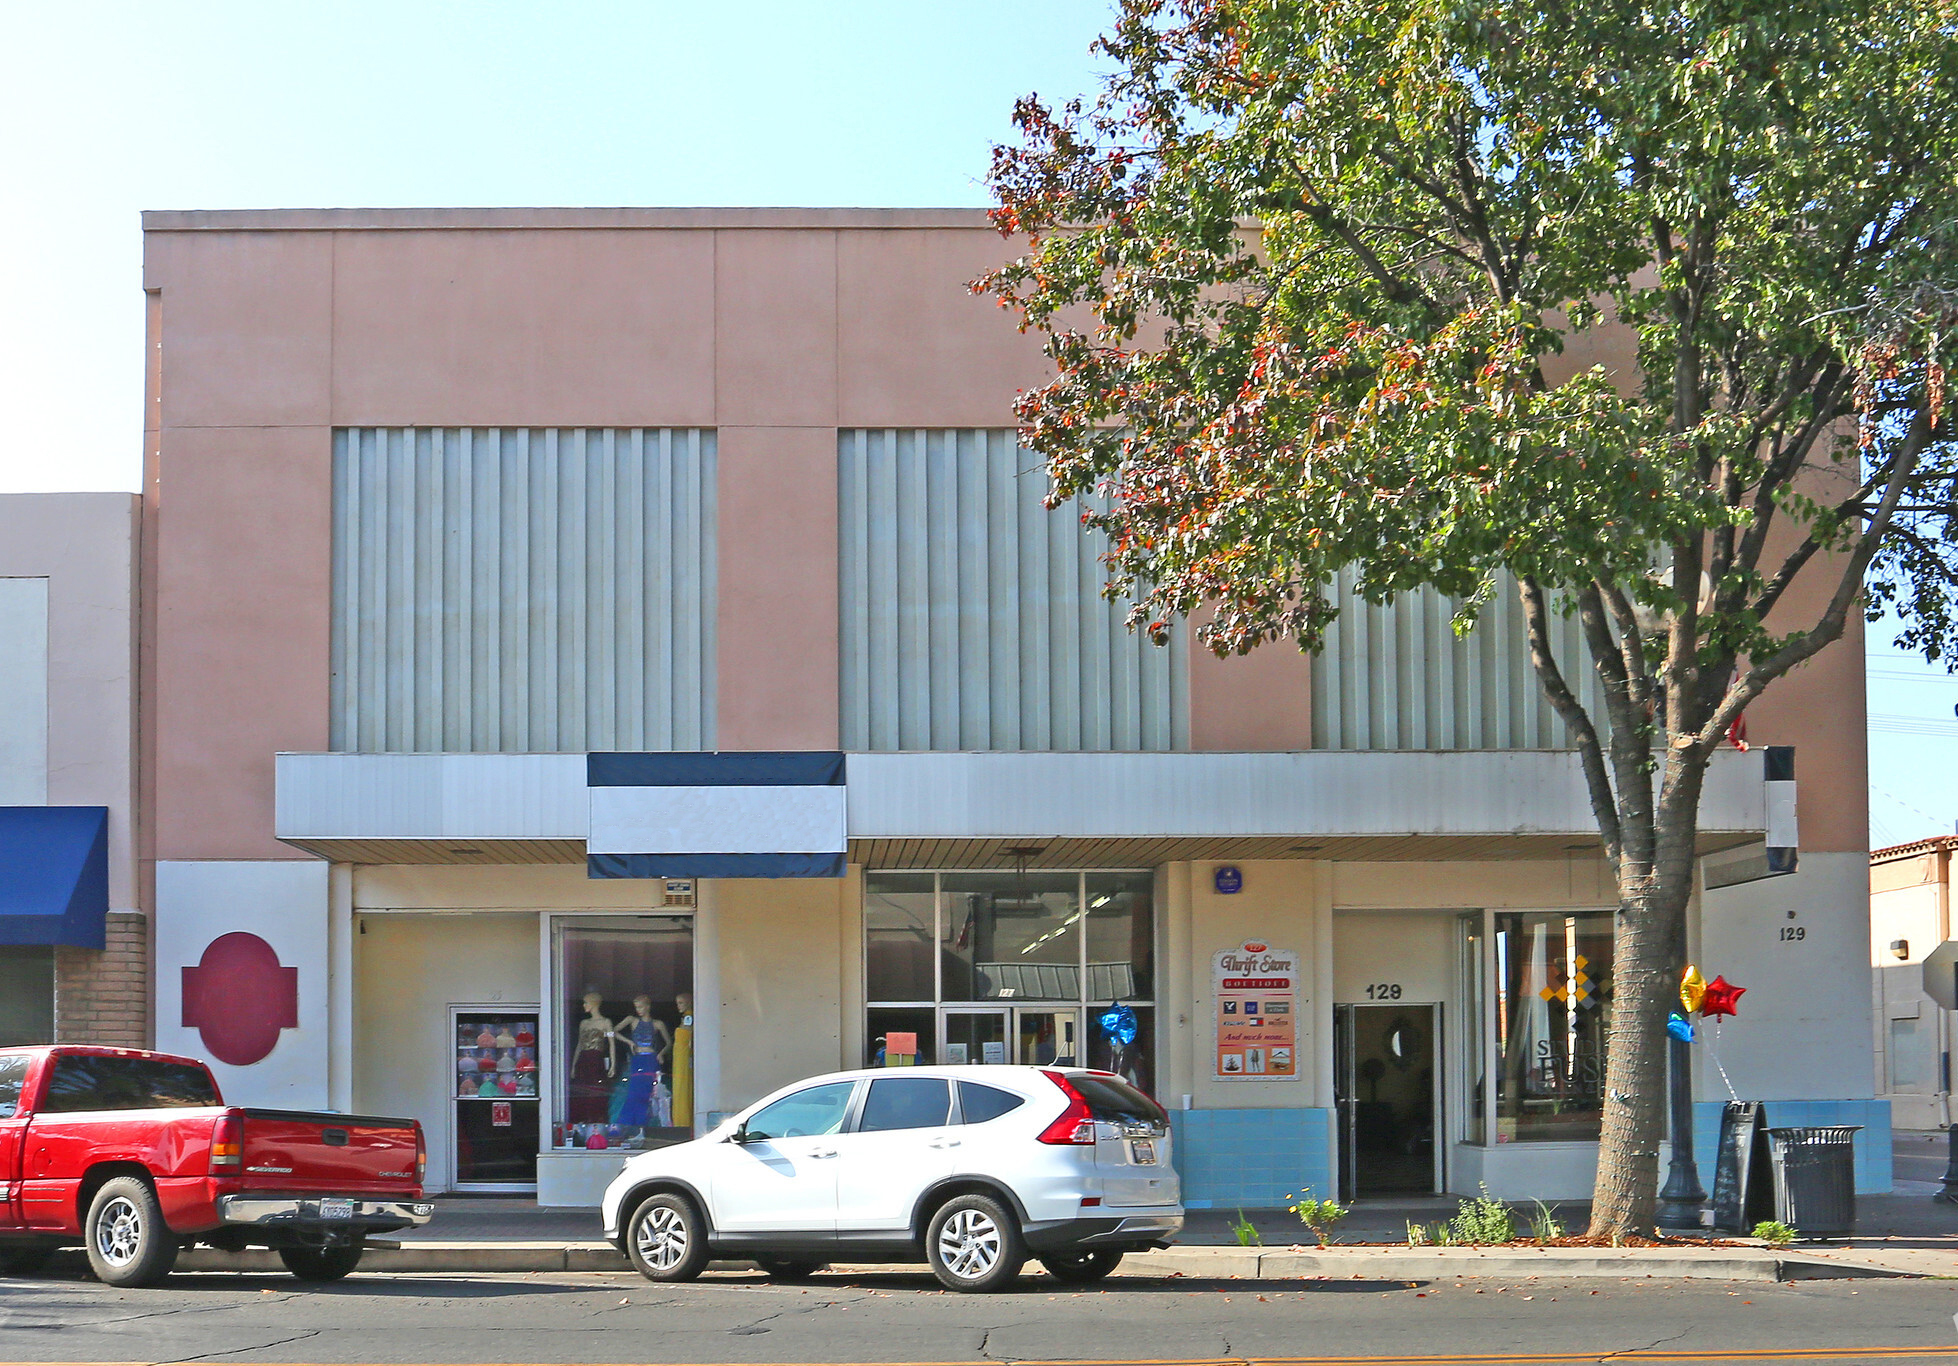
(1252, 1158)
(1873, 1169)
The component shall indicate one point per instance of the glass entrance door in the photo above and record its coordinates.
(495, 1131)
(1386, 1084)
(1033, 1036)
(975, 1036)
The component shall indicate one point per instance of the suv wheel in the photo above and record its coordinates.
(788, 1268)
(974, 1244)
(1082, 1268)
(128, 1242)
(667, 1239)
(321, 1264)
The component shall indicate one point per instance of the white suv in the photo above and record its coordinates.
(971, 1169)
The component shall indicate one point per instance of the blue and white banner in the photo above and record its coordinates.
(761, 813)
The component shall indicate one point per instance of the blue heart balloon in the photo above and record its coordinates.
(1680, 1028)
(1118, 1023)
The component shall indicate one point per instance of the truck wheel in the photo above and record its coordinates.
(129, 1245)
(667, 1239)
(1082, 1268)
(320, 1263)
(974, 1244)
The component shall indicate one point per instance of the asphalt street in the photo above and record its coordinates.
(741, 1317)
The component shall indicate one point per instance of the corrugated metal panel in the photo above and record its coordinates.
(971, 615)
(1398, 677)
(500, 590)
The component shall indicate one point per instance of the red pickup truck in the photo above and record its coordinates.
(134, 1155)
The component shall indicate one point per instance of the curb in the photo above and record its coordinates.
(1374, 1263)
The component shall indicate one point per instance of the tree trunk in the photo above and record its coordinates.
(1646, 946)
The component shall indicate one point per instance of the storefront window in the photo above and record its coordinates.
(1475, 1079)
(26, 995)
(1011, 937)
(1031, 968)
(623, 988)
(1553, 999)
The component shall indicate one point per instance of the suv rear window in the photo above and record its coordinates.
(82, 1082)
(977, 1103)
(1114, 1101)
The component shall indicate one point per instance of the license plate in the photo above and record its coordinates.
(336, 1209)
(1143, 1153)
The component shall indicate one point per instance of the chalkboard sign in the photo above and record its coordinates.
(1742, 1193)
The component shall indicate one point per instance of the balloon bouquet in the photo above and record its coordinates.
(1120, 1027)
(1709, 1000)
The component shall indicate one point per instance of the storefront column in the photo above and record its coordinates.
(707, 1104)
(1322, 978)
(1181, 1032)
(340, 988)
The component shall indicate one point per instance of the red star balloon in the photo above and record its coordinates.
(1721, 997)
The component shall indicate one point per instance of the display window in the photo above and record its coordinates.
(965, 967)
(623, 992)
(496, 1100)
(1545, 1012)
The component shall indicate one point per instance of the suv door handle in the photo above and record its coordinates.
(822, 1152)
(945, 1141)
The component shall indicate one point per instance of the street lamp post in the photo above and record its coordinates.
(1683, 1196)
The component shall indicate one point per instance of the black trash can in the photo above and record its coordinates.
(1815, 1179)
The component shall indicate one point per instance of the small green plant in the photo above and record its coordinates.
(1544, 1227)
(1321, 1216)
(1773, 1233)
(1484, 1219)
(1246, 1232)
(1417, 1234)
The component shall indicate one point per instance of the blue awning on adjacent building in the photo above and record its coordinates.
(54, 875)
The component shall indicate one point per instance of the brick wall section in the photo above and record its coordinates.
(104, 998)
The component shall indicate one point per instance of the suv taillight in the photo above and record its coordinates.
(228, 1145)
(1076, 1123)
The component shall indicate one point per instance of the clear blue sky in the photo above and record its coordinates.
(107, 109)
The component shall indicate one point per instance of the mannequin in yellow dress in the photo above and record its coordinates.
(683, 1063)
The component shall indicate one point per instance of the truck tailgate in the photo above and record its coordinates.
(305, 1153)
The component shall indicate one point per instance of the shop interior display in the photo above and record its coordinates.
(496, 1098)
(631, 1079)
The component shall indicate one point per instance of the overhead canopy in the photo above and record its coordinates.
(54, 875)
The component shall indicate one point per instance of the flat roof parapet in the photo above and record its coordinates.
(412, 220)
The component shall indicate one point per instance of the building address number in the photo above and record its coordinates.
(1383, 991)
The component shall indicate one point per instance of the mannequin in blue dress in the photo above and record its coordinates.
(651, 1042)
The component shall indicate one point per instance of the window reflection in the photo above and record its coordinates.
(1553, 997)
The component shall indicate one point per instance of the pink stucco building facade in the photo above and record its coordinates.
(508, 575)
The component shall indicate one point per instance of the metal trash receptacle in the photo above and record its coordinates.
(1815, 1179)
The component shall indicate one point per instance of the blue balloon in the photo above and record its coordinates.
(1680, 1028)
(1118, 1023)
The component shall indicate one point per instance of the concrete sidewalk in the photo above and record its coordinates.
(1900, 1234)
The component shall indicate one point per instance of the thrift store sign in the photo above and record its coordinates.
(1256, 989)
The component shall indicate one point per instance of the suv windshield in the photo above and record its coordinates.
(1114, 1101)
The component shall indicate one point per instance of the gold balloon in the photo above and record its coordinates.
(1692, 989)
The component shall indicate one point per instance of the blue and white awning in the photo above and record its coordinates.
(772, 813)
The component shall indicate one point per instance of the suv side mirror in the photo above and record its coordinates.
(740, 1134)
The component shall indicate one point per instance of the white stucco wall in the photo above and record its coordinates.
(409, 970)
(23, 691)
(283, 903)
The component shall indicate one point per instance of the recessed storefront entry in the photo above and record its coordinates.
(1388, 1093)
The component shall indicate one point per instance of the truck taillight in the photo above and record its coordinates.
(1076, 1124)
(228, 1145)
(421, 1155)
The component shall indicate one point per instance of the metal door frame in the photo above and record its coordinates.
(1346, 1092)
(458, 1186)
